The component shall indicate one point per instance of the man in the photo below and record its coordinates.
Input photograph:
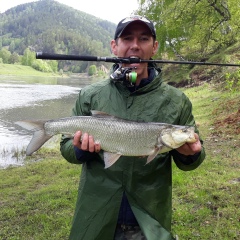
(129, 200)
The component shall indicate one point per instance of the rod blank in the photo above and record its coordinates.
(41, 55)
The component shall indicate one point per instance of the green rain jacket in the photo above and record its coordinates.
(147, 187)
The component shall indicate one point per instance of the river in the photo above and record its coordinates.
(31, 98)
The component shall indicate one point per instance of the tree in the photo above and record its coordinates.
(199, 27)
(28, 57)
(54, 65)
(14, 58)
(12, 46)
(5, 55)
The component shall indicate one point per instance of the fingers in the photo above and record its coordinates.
(191, 148)
(85, 142)
(77, 139)
(197, 146)
(97, 147)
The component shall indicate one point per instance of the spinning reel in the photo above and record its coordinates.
(126, 75)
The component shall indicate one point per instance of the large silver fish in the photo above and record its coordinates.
(116, 136)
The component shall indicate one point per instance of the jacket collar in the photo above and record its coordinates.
(154, 77)
(151, 75)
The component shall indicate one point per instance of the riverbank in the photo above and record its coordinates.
(20, 70)
(38, 199)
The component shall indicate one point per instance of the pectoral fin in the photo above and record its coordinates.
(158, 149)
(110, 158)
(152, 156)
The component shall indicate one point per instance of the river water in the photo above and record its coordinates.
(24, 98)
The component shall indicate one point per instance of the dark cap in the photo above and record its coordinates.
(126, 21)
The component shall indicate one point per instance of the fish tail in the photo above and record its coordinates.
(39, 136)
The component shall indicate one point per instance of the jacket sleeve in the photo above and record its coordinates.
(191, 162)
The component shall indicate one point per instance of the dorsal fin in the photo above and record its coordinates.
(96, 113)
(99, 114)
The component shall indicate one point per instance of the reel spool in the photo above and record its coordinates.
(126, 75)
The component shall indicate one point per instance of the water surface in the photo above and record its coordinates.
(24, 98)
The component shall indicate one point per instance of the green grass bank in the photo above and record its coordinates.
(37, 200)
(20, 70)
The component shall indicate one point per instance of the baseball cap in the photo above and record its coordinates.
(126, 21)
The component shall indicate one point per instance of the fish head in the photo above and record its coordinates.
(175, 136)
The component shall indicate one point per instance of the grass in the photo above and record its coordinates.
(20, 70)
(206, 201)
(37, 200)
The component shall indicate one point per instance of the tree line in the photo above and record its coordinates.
(28, 59)
(193, 29)
(49, 26)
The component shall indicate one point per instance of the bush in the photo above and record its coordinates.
(41, 65)
(92, 70)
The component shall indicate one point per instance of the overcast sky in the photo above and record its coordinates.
(110, 10)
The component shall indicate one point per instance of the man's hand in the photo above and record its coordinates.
(85, 142)
(190, 148)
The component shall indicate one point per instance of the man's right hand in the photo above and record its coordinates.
(85, 142)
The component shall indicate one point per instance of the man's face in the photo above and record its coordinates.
(136, 41)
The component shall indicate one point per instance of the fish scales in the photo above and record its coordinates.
(125, 137)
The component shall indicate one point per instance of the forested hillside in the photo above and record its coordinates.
(52, 27)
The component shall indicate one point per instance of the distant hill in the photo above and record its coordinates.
(52, 27)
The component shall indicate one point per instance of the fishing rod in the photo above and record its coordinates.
(125, 75)
(48, 56)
